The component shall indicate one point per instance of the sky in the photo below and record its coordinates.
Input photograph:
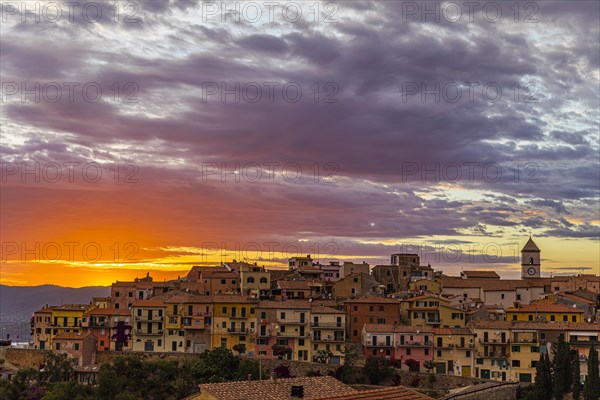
(152, 136)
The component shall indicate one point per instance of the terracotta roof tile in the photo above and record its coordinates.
(481, 274)
(388, 393)
(72, 336)
(280, 389)
(544, 308)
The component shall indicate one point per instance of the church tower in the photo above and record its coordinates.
(530, 260)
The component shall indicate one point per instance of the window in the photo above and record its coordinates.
(380, 308)
(518, 297)
(224, 310)
(516, 349)
(355, 280)
(408, 351)
(439, 353)
(370, 320)
(565, 318)
(76, 346)
(535, 349)
(574, 318)
(282, 315)
(502, 296)
(263, 280)
(263, 315)
(355, 308)
(516, 363)
(552, 318)
(468, 353)
(301, 342)
(514, 317)
(250, 280)
(530, 317)
(426, 352)
(57, 346)
(116, 294)
(371, 308)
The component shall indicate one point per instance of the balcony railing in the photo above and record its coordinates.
(524, 340)
(264, 334)
(494, 341)
(415, 344)
(293, 334)
(326, 325)
(433, 321)
(596, 343)
(380, 345)
(492, 354)
(146, 333)
(292, 322)
(238, 331)
(154, 318)
(329, 339)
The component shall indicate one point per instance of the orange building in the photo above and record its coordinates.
(369, 310)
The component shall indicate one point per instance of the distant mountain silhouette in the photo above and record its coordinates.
(27, 299)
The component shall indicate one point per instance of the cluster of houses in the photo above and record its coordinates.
(475, 325)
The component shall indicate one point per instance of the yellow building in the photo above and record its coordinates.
(255, 281)
(425, 285)
(544, 312)
(454, 351)
(492, 349)
(524, 354)
(67, 318)
(328, 327)
(234, 323)
(432, 311)
(149, 325)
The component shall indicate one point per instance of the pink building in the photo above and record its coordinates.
(80, 347)
(398, 344)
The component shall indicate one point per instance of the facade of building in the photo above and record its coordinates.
(370, 310)
(80, 347)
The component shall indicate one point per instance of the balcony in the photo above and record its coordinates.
(264, 334)
(326, 325)
(98, 324)
(292, 322)
(524, 340)
(140, 332)
(466, 346)
(596, 343)
(239, 331)
(415, 344)
(492, 354)
(293, 334)
(494, 341)
(383, 345)
(433, 321)
(329, 339)
(194, 323)
(238, 316)
(154, 318)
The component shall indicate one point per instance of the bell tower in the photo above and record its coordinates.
(530, 260)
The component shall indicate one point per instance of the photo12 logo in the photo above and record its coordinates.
(454, 92)
(71, 92)
(53, 12)
(470, 11)
(28, 172)
(468, 171)
(269, 171)
(269, 92)
(38, 252)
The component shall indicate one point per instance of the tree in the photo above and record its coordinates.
(282, 371)
(412, 364)
(591, 388)
(69, 391)
(215, 365)
(281, 351)
(248, 366)
(542, 389)
(57, 367)
(351, 355)
(377, 369)
(561, 368)
(322, 356)
(576, 375)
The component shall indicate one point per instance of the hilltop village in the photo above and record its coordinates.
(472, 325)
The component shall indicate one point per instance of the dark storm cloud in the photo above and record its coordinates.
(371, 132)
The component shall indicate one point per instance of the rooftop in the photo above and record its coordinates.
(544, 308)
(280, 389)
(388, 393)
(481, 274)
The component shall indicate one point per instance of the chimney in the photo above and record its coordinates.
(297, 392)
